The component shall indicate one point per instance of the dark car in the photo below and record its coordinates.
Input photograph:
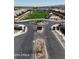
(39, 28)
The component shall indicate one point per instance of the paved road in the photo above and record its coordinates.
(23, 43)
(54, 48)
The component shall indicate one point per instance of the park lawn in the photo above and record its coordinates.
(36, 15)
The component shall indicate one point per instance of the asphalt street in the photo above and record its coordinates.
(54, 48)
(23, 44)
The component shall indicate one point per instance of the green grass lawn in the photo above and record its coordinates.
(36, 15)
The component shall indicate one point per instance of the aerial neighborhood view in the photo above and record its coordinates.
(39, 29)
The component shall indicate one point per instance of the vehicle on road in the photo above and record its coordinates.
(39, 28)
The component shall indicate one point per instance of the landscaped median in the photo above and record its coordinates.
(40, 49)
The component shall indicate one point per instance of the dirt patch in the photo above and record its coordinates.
(40, 49)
